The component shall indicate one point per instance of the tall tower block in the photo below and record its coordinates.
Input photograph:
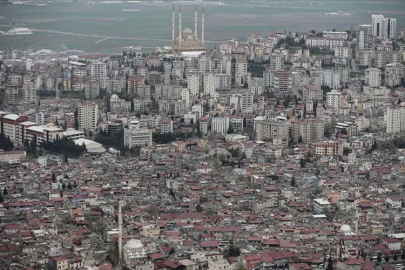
(180, 27)
(173, 24)
(195, 22)
(202, 26)
(119, 233)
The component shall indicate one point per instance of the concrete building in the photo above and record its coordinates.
(327, 148)
(210, 84)
(393, 74)
(333, 99)
(373, 77)
(267, 130)
(276, 62)
(312, 92)
(166, 126)
(307, 130)
(194, 83)
(383, 27)
(364, 37)
(395, 119)
(331, 78)
(88, 116)
(98, 69)
(240, 72)
(256, 86)
(220, 124)
(281, 81)
(137, 137)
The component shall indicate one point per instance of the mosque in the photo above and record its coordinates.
(187, 40)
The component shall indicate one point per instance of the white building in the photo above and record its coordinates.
(333, 99)
(210, 84)
(137, 137)
(98, 69)
(185, 96)
(193, 83)
(395, 119)
(166, 126)
(88, 116)
(364, 36)
(383, 27)
(219, 124)
(134, 251)
(331, 78)
(240, 72)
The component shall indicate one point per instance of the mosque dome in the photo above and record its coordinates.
(134, 243)
(189, 38)
(114, 96)
(187, 31)
(345, 229)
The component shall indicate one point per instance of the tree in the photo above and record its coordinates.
(76, 124)
(232, 251)
(330, 264)
(63, 186)
(293, 182)
(387, 258)
(395, 257)
(172, 251)
(239, 266)
(230, 129)
(302, 163)
(379, 257)
(53, 177)
(69, 186)
(1, 198)
(199, 208)
(300, 139)
(209, 212)
(403, 254)
(5, 191)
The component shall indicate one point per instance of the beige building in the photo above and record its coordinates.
(311, 92)
(272, 130)
(308, 130)
(327, 148)
(373, 77)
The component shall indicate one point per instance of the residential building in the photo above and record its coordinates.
(137, 137)
(373, 77)
(88, 116)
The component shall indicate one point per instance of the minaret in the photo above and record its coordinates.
(173, 24)
(119, 233)
(195, 22)
(202, 26)
(180, 27)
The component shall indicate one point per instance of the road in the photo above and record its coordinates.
(100, 36)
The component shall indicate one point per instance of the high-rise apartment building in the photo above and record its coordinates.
(194, 83)
(364, 37)
(240, 72)
(333, 99)
(383, 27)
(276, 61)
(88, 116)
(98, 69)
(395, 119)
(272, 130)
(373, 77)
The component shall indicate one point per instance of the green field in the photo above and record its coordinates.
(153, 22)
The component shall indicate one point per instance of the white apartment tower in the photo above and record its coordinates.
(364, 36)
(395, 119)
(220, 124)
(276, 62)
(185, 96)
(373, 77)
(98, 69)
(383, 27)
(210, 84)
(331, 78)
(88, 116)
(240, 72)
(193, 83)
(333, 99)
